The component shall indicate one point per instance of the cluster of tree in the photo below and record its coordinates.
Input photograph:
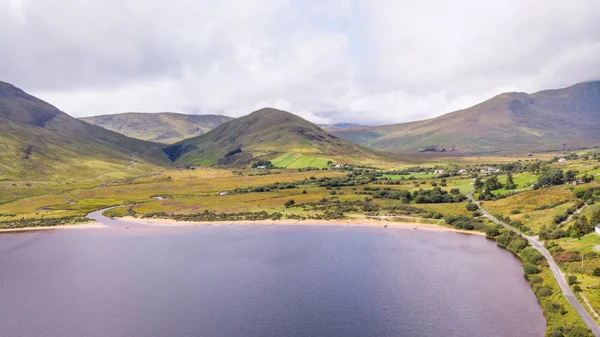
(213, 216)
(464, 222)
(589, 195)
(354, 178)
(553, 177)
(266, 163)
(7, 215)
(436, 196)
(583, 226)
(42, 222)
(267, 188)
(512, 241)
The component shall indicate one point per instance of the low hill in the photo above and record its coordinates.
(270, 134)
(558, 119)
(164, 127)
(38, 141)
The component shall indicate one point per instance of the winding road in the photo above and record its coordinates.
(558, 275)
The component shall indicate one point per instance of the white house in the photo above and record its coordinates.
(597, 229)
(562, 160)
(438, 172)
(222, 193)
(462, 171)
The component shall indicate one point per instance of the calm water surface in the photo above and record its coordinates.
(261, 281)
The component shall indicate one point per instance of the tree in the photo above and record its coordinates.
(531, 269)
(571, 175)
(510, 184)
(587, 178)
(596, 272)
(493, 184)
(290, 203)
(472, 207)
(478, 184)
(571, 280)
(551, 177)
(581, 227)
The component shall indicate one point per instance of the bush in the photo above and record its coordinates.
(472, 207)
(492, 231)
(517, 245)
(576, 288)
(515, 211)
(596, 272)
(535, 280)
(532, 255)
(544, 291)
(290, 203)
(531, 269)
(571, 280)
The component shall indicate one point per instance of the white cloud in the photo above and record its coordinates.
(365, 61)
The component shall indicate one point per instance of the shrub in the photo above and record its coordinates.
(492, 231)
(576, 288)
(535, 279)
(544, 291)
(532, 255)
(553, 307)
(571, 280)
(290, 203)
(515, 211)
(531, 269)
(517, 245)
(596, 272)
(472, 207)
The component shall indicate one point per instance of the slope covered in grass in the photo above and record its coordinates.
(40, 142)
(268, 134)
(165, 127)
(550, 119)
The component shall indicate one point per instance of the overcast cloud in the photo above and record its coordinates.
(371, 61)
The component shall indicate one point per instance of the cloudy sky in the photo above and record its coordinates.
(362, 61)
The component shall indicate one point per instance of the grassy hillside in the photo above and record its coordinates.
(166, 127)
(40, 142)
(566, 118)
(268, 134)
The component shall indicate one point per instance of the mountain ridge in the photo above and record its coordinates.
(164, 127)
(547, 119)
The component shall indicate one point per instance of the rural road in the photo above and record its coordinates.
(558, 275)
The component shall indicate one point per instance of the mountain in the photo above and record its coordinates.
(267, 134)
(567, 118)
(339, 126)
(165, 127)
(38, 141)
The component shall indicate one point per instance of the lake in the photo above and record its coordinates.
(261, 281)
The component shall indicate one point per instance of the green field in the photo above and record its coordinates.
(523, 181)
(297, 160)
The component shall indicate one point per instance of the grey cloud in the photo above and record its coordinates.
(367, 61)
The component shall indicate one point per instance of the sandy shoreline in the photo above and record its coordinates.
(87, 225)
(350, 223)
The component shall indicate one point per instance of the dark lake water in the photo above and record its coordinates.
(261, 281)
